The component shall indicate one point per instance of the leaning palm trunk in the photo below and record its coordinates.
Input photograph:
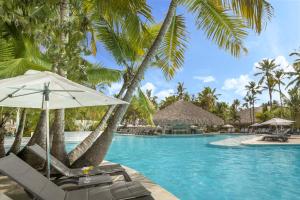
(2, 148)
(96, 153)
(58, 138)
(58, 142)
(90, 139)
(15, 148)
(271, 100)
(280, 97)
(39, 137)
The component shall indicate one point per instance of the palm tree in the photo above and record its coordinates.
(217, 22)
(279, 76)
(221, 109)
(295, 74)
(180, 90)
(293, 102)
(252, 91)
(207, 98)
(266, 68)
(297, 60)
(234, 111)
(248, 105)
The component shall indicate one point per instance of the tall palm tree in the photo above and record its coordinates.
(223, 22)
(180, 90)
(234, 111)
(248, 105)
(279, 76)
(296, 62)
(252, 91)
(266, 70)
(293, 102)
(295, 74)
(207, 98)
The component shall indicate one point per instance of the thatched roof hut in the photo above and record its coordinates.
(182, 112)
(245, 118)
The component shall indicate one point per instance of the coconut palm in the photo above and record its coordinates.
(252, 91)
(296, 63)
(279, 76)
(207, 98)
(180, 90)
(221, 109)
(224, 22)
(234, 117)
(266, 70)
(248, 105)
(293, 102)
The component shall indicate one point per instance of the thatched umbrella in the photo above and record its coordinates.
(182, 112)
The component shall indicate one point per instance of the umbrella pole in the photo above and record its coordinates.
(46, 97)
(47, 139)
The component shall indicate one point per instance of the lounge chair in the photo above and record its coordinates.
(111, 169)
(43, 189)
(275, 138)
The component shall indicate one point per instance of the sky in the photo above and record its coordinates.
(207, 65)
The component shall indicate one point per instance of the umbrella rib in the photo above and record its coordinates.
(20, 95)
(68, 91)
(11, 94)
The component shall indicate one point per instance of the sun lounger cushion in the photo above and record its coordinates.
(29, 178)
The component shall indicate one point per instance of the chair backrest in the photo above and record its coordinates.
(30, 179)
(55, 163)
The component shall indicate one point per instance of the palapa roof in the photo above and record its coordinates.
(183, 112)
(245, 115)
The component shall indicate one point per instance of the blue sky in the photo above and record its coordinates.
(207, 65)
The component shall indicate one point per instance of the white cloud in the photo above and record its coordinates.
(148, 86)
(237, 84)
(280, 61)
(205, 79)
(114, 88)
(283, 64)
(161, 95)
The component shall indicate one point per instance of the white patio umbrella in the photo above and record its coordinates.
(278, 122)
(227, 126)
(47, 90)
(255, 125)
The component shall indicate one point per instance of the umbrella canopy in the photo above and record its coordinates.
(278, 122)
(227, 126)
(255, 125)
(27, 91)
(47, 90)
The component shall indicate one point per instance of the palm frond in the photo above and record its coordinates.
(6, 50)
(170, 56)
(255, 12)
(97, 74)
(219, 25)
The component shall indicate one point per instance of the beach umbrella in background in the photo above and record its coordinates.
(277, 122)
(227, 126)
(255, 125)
(47, 90)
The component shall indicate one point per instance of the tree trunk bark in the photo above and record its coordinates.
(2, 148)
(15, 148)
(280, 97)
(39, 137)
(271, 100)
(90, 139)
(58, 149)
(253, 112)
(96, 153)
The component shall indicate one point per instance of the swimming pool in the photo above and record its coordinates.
(193, 170)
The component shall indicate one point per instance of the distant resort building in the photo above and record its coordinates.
(185, 117)
(245, 117)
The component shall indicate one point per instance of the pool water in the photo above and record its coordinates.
(192, 169)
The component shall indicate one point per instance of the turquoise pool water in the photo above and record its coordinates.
(193, 170)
